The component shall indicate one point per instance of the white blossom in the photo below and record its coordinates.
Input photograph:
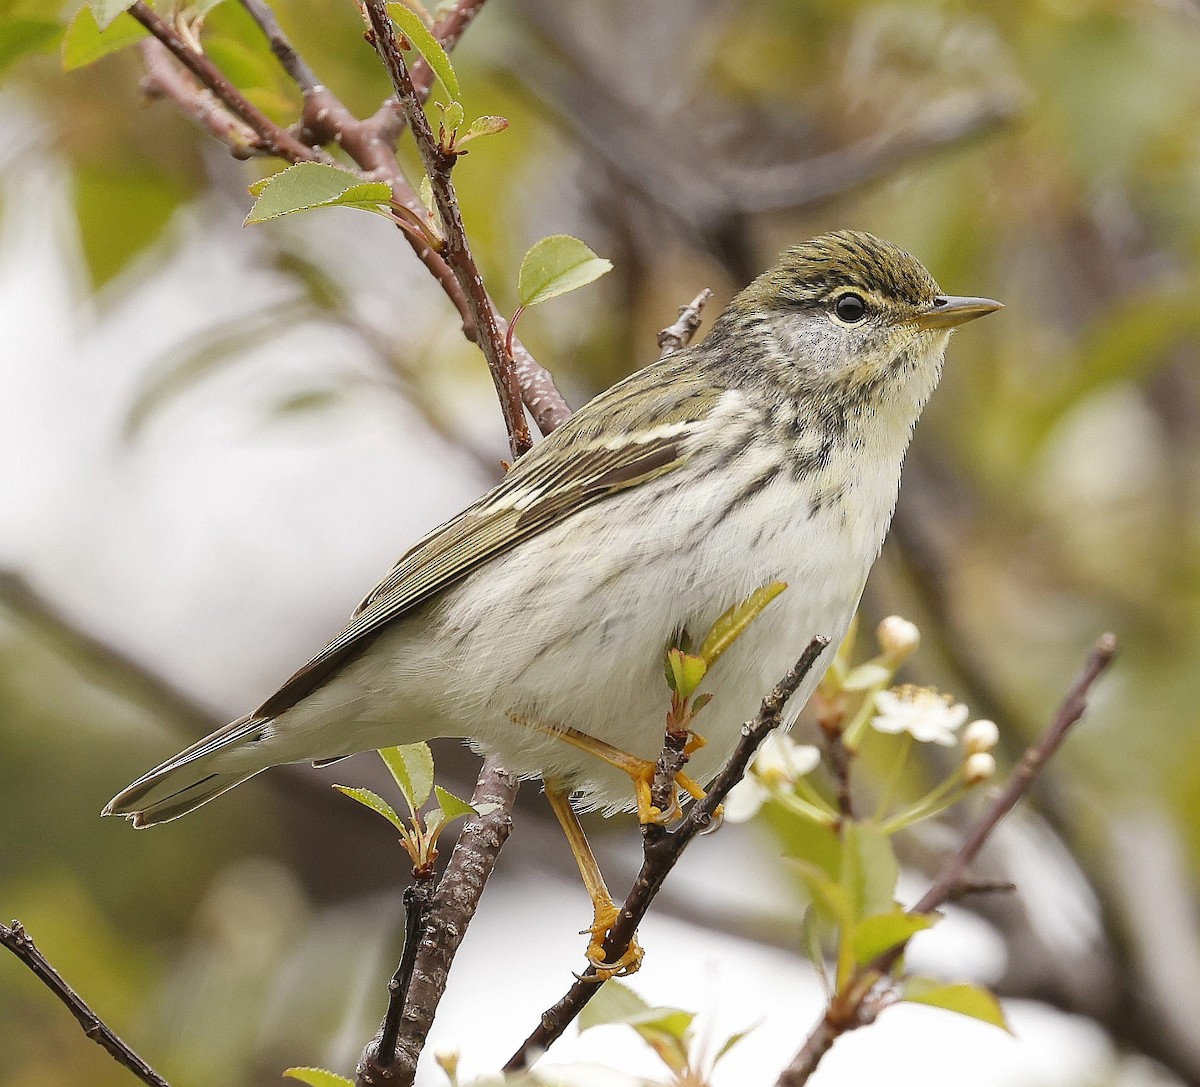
(927, 716)
(779, 763)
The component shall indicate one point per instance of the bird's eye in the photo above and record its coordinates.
(850, 308)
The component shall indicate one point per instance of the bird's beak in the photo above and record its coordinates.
(949, 311)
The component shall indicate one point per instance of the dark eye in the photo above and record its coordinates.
(850, 308)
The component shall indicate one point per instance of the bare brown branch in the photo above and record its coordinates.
(18, 941)
(661, 852)
(858, 1005)
(445, 925)
(438, 164)
(675, 337)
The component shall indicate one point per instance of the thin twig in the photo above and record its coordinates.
(17, 940)
(389, 120)
(444, 927)
(677, 336)
(438, 163)
(165, 79)
(661, 854)
(271, 137)
(856, 1005)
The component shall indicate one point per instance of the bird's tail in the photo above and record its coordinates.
(191, 778)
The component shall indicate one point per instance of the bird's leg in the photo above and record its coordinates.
(605, 911)
(640, 771)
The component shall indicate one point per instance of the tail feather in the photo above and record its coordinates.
(193, 777)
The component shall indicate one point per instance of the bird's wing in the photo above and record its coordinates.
(634, 432)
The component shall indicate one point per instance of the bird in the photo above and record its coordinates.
(769, 451)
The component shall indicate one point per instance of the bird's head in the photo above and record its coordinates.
(851, 310)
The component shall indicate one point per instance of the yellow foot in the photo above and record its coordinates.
(640, 771)
(629, 963)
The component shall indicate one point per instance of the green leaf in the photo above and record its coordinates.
(315, 185)
(482, 126)
(85, 41)
(106, 11)
(412, 767)
(869, 869)
(685, 672)
(614, 1003)
(733, 1040)
(829, 899)
(665, 1030)
(452, 807)
(418, 34)
(971, 1000)
(375, 802)
(726, 630)
(556, 265)
(21, 36)
(452, 116)
(883, 931)
(318, 1077)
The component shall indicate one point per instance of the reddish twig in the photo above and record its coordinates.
(270, 136)
(438, 163)
(661, 852)
(858, 1005)
(17, 940)
(165, 79)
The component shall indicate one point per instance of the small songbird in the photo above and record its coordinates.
(770, 451)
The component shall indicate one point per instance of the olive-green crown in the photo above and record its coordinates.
(812, 272)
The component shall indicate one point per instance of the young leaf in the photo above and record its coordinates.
(412, 767)
(726, 630)
(733, 1040)
(829, 900)
(869, 869)
(614, 1003)
(880, 933)
(375, 802)
(415, 30)
(452, 116)
(452, 807)
(970, 1000)
(318, 1077)
(85, 41)
(556, 265)
(106, 11)
(686, 672)
(482, 126)
(315, 185)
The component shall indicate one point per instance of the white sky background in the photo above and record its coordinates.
(214, 546)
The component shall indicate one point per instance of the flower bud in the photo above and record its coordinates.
(447, 1060)
(978, 767)
(980, 736)
(898, 638)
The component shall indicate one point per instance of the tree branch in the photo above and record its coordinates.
(445, 925)
(271, 137)
(661, 852)
(438, 163)
(675, 337)
(17, 940)
(858, 1005)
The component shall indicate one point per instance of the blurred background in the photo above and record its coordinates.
(214, 440)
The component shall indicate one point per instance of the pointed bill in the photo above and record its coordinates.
(949, 311)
